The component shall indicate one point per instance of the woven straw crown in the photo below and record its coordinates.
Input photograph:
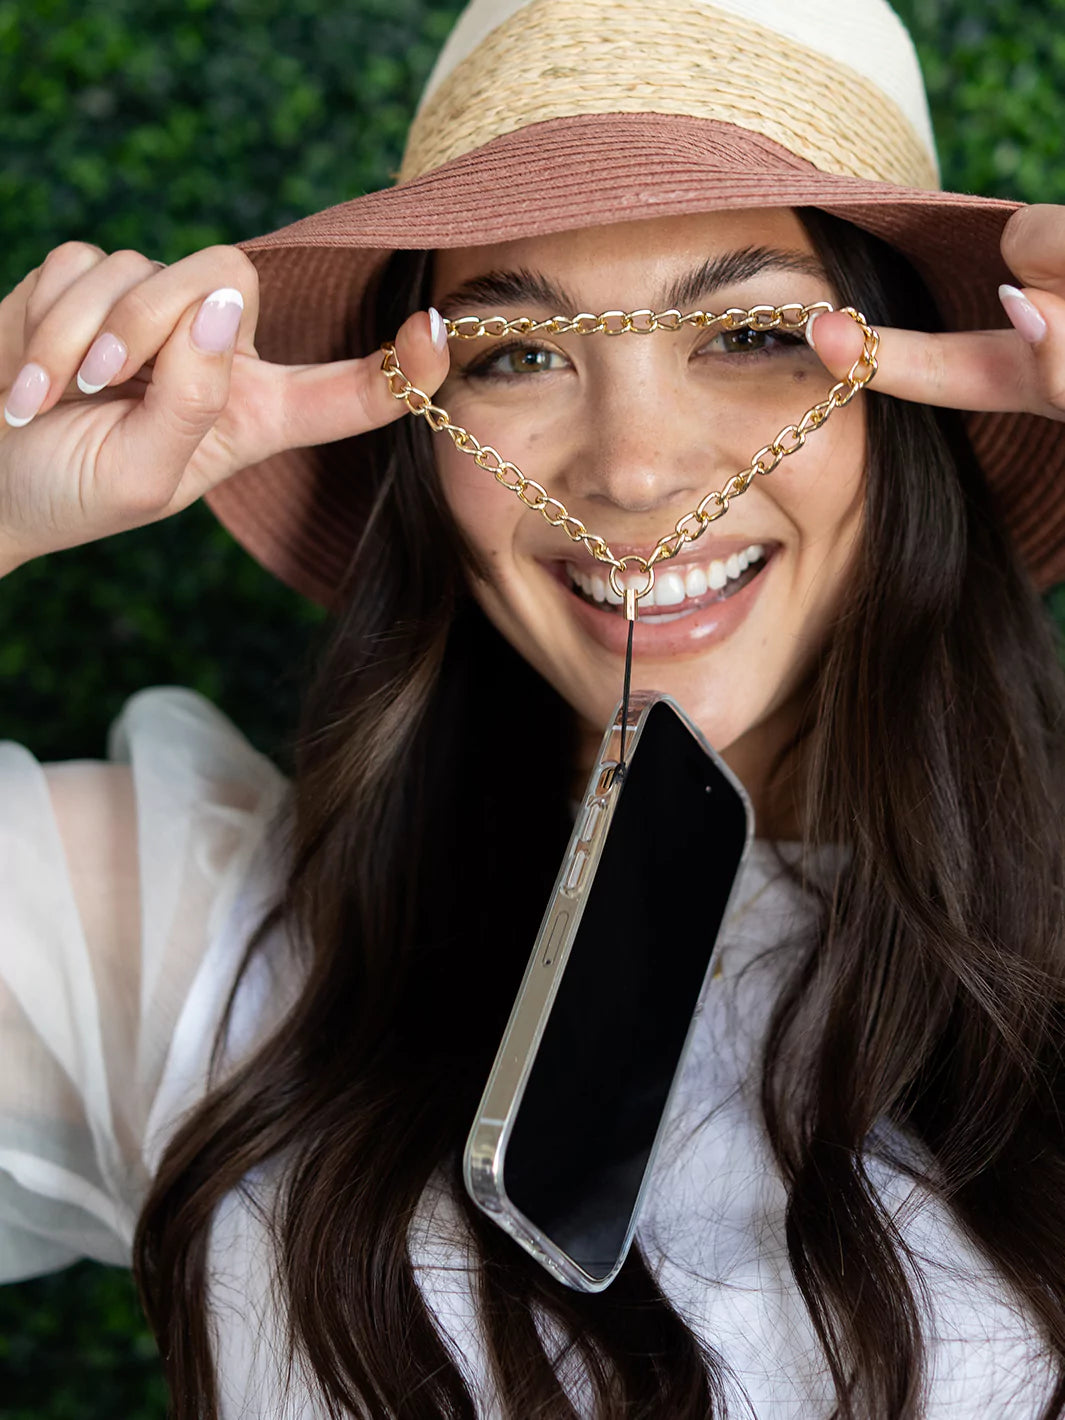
(550, 115)
(838, 85)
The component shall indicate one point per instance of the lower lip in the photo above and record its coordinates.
(690, 634)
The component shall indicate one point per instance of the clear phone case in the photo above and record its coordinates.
(486, 1155)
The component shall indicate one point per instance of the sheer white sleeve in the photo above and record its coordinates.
(118, 884)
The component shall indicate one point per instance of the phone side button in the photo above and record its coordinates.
(554, 940)
(576, 870)
(592, 814)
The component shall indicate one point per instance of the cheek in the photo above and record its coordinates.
(486, 513)
(824, 504)
(491, 520)
(821, 493)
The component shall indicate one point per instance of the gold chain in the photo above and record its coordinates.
(693, 524)
(644, 322)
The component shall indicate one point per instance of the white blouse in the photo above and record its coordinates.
(128, 891)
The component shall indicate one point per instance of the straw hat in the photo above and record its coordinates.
(549, 115)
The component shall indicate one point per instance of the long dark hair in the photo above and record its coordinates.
(932, 744)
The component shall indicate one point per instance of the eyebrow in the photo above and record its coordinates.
(734, 267)
(522, 286)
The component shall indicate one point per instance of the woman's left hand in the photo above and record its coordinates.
(1022, 369)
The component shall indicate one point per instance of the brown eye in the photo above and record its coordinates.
(529, 360)
(517, 360)
(740, 342)
(751, 342)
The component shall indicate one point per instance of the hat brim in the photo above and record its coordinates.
(299, 513)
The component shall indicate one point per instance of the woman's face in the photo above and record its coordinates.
(630, 433)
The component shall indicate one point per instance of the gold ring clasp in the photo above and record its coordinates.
(619, 567)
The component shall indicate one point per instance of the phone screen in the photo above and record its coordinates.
(584, 1129)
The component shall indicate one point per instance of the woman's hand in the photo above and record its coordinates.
(187, 401)
(1008, 370)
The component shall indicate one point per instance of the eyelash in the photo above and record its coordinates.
(482, 367)
(485, 367)
(786, 338)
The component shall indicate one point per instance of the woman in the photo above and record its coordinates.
(858, 1210)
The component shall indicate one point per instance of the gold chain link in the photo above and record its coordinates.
(693, 524)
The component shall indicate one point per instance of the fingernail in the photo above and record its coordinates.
(1023, 316)
(437, 329)
(810, 329)
(214, 331)
(107, 354)
(26, 395)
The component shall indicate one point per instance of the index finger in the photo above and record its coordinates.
(978, 370)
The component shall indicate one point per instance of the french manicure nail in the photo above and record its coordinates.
(1023, 316)
(26, 395)
(810, 329)
(437, 329)
(214, 331)
(107, 354)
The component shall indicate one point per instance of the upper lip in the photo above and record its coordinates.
(705, 549)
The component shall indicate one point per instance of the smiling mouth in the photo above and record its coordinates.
(678, 591)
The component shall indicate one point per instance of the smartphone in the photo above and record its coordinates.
(569, 1123)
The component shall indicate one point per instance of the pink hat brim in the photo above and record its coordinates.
(299, 513)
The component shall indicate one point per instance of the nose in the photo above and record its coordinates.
(641, 447)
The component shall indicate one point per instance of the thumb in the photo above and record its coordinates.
(835, 339)
(316, 404)
(976, 369)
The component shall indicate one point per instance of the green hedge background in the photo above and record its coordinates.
(167, 125)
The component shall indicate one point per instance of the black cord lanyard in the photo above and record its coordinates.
(632, 609)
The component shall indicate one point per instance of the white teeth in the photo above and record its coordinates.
(637, 580)
(672, 586)
(669, 589)
(695, 583)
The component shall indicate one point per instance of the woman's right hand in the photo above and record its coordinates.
(188, 401)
